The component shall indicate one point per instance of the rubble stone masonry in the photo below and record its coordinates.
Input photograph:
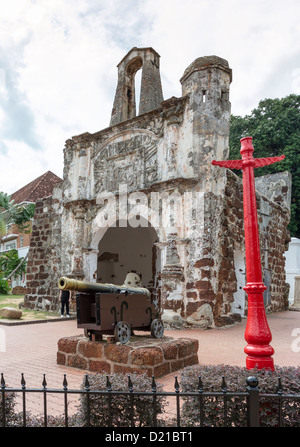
(153, 357)
(44, 259)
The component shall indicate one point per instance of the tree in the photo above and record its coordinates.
(19, 214)
(275, 128)
(10, 264)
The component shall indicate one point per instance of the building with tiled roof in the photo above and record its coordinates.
(39, 188)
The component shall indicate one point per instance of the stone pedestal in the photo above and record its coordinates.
(296, 303)
(155, 357)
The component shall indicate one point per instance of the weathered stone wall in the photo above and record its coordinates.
(44, 257)
(209, 297)
(273, 219)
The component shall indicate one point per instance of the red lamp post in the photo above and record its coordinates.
(257, 333)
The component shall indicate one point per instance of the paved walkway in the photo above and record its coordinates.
(31, 349)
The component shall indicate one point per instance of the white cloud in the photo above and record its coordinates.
(58, 63)
(253, 36)
(20, 162)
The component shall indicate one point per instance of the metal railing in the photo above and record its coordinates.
(251, 396)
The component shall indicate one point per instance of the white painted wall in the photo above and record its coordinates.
(238, 305)
(292, 265)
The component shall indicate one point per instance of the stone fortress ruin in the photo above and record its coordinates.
(141, 196)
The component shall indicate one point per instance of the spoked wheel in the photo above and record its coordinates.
(122, 332)
(157, 328)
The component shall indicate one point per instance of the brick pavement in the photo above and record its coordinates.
(31, 349)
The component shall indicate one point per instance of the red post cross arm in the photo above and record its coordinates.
(257, 334)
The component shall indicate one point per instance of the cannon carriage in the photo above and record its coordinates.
(113, 310)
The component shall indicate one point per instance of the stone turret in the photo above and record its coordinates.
(151, 95)
(206, 82)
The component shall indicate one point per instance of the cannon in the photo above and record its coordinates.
(113, 310)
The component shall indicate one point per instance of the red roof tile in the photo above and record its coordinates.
(37, 189)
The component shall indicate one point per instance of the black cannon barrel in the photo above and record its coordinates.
(65, 283)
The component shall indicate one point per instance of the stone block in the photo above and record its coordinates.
(170, 351)
(89, 349)
(99, 366)
(19, 290)
(176, 365)
(185, 348)
(10, 313)
(68, 344)
(162, 370)
(128, 369)
(117, 353)
(189, 361)
(76, 361)
(60, 358)
(147, 356)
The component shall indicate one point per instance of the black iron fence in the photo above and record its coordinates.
(251, 397)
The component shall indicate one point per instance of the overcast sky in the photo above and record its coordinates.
(58, 61)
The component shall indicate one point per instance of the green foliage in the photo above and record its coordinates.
(9, 405)
(9, 261)
(4, 200)
(4, 286)
(275, 128)
(22, 216)
(14, 213)
(235, 380)
(118, 407)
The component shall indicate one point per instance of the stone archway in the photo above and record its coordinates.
(124, 248)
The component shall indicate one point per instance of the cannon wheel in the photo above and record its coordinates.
(122, 332)
(157, 328)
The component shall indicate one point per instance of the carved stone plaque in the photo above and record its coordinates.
(129, 158)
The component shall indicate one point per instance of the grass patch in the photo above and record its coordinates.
(13, 301)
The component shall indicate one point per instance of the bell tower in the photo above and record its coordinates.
(124, 107)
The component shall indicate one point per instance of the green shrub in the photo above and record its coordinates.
(235, 380)
(33, 420)
(9, 261)
(9, 403)
(4, 286)
(117, 410)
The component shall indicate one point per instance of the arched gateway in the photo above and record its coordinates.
(142, 196)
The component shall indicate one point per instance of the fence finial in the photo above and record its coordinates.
(252, 382)
(224, 386)
(130, 385)
(154, 388)
(176, 385)
(2, 381)
(87, 383)
(200, 385)
(65, 383)
(23, 383)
